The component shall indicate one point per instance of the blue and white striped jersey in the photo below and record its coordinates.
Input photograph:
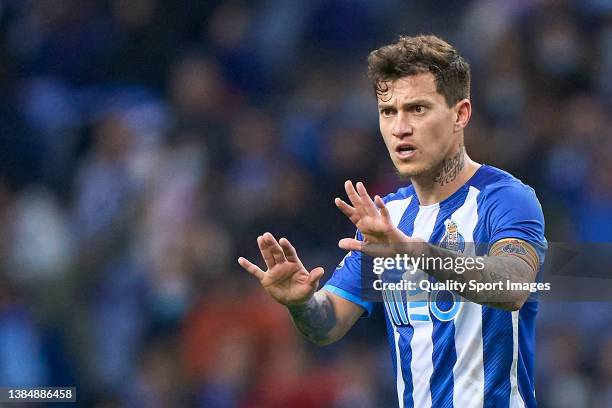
(467, 355)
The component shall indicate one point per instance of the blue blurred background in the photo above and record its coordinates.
(144, 144)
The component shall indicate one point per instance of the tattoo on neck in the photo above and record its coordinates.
(451, 167)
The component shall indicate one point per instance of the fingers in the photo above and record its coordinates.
(288, 250)
(347, 210)
(365, 198)
(315, 275)
(360, 198)
(383, 208)
(251, 268)
(274, 248)
(266, 253)
(352, 194)
(272, 251)
(350, 244)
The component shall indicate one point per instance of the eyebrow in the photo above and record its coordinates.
(409, 104)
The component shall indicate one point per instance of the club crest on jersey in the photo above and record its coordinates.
(452, 239)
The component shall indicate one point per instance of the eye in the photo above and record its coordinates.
(386, 112)
(419, 109)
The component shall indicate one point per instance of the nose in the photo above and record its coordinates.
(402, 126)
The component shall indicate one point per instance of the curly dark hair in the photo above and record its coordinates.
(416, 55)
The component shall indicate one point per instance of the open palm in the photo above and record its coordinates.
(286, 279)
(372, 219)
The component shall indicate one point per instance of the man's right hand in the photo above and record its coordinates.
(286, 279)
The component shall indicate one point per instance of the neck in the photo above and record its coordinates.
(450, 176)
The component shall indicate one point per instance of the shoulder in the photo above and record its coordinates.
(487, 177)
(509, 208)
(499, 187)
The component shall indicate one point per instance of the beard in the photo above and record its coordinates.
(431, 170)
(416, 171)
(408, 175)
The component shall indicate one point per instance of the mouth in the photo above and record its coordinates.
(405, 151)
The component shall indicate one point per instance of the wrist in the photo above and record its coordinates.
(403, 244)
(299, 305)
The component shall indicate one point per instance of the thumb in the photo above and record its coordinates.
(315, 275)
(350, 244)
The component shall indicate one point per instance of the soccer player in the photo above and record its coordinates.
(475, 348)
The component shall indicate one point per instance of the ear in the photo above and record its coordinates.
(463, 113)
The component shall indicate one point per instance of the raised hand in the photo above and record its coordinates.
(286, 279)
(372, 218)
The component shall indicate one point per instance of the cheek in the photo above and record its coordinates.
(386, 135)
(440, 134)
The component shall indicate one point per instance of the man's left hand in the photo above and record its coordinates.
(372, 219)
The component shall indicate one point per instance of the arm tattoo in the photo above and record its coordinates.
(518, 248)
(502, 268)
(451, 167)
(315, 318)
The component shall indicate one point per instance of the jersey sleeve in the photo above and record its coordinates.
(513, 211)
(346, 280)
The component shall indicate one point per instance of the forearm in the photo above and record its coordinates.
(496, 270)
(316, 319)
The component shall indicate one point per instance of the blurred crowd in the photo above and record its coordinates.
(144, 144)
